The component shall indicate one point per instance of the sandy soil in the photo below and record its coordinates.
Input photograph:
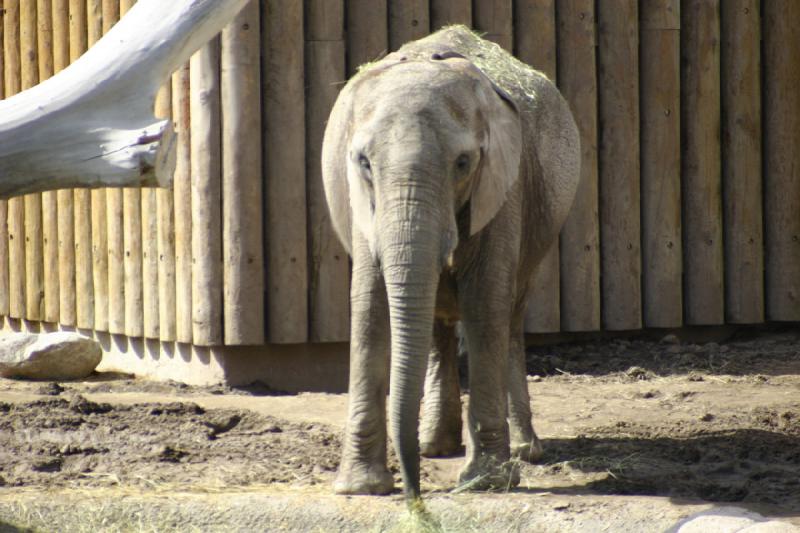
(625, 423)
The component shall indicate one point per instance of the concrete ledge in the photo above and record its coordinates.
(291, 368)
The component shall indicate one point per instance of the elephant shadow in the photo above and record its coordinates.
(751, 466)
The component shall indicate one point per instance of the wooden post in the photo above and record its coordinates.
(703, 278)
(153, 216)
(84, 282)
(64, 198)
(329, 292)
(34, 243)
(115, 244)
(164, 247)
(6, 48)
(408, 20)
(242, 205)
(116, 271)
(97, 27)
(496, 19)
(206, 199)
(284, 173)
(132, 262)
(367, 32)
(150, 307)
(781, 47)
(659, 92)
(580, 254)
(538, 49)
(183, 206)
(618, 90)
(132, 245)
(741, 161)
(446, 12)
(16, 207)
(44, 16)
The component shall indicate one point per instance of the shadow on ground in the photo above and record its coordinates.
(742, 465)
(747, 352)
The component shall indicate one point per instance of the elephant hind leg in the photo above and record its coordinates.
(440, 428)
(525, 445)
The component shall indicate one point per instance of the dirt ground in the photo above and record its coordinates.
(637, 433)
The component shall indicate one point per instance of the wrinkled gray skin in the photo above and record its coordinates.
(449, 168)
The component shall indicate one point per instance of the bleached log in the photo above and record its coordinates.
(92, 125)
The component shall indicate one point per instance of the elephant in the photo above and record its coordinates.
(449, 168)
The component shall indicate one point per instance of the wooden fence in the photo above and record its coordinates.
(688, 212)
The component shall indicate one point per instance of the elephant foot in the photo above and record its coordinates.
(444, 446)
(488, 473)
(530, 451)
(364, 479)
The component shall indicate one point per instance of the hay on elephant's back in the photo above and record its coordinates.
(506, 71)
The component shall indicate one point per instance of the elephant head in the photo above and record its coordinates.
(411, 144)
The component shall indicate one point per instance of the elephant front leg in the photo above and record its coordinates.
(488, 464)
(440, 429)
(363, 468)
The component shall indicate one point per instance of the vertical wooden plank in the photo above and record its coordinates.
(44, 16)
(538, 49)
(150, 307)
(116, 272)
(618, 90)
(6, 48)
(284, 171)
(16, 207)
(446, 12)
(329, 292)
(153, 263)
(183, 206)
(84, 283)
(64, 199)
(324, 20)
(132, 261)
(660, 163)
(580, 254)
(2, 51)
(701, 171)
(132, 244)
(165, 241)
(408, 20)
(367, 32)
(782, 158)
(98, 204)
(34, 249)
(242, 204)
(741, 161)
(115, 242)
(151, 260)
(110, 14)
(496, 19)
(206, 199)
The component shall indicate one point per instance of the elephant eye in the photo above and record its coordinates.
(364, 163)
(463, 163)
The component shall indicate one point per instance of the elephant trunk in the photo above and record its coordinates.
(411, 265)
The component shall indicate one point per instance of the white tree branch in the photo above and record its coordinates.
(92, 124)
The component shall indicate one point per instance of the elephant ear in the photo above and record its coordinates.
(334, 166)
(502, 149)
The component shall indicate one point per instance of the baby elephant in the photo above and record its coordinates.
(449, 168)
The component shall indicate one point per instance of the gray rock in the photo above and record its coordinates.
(54, 356)
(730, 520)
(670, 338)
